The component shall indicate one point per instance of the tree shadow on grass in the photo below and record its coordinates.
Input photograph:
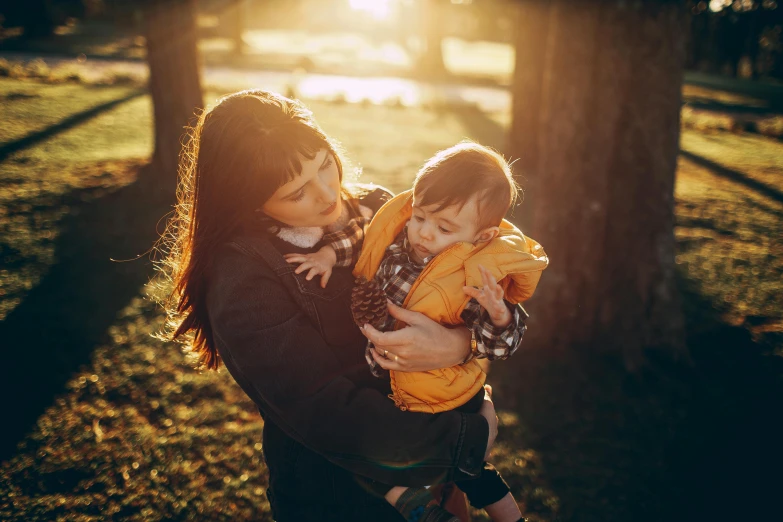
(70, 122)
(734, 175)
(673, 442)
(58, 324)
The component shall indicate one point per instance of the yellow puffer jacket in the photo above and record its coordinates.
(515, 260)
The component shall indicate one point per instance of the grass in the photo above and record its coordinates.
(730, 244)
(40, 185)
(129, 430)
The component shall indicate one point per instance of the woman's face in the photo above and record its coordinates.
(311, 199)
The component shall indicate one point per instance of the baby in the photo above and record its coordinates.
(445, 250)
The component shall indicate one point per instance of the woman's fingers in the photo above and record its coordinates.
(373, 334)
(401, 314)
(380, 360)
(396, 345)
(396, 341)
(392, 362)
(382, 340)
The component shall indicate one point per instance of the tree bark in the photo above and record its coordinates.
(234, 17)
(599, 131)
(523, 142)
(430, 62)
(174, 82)
(37, 18)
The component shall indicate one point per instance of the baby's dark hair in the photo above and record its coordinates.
(455, 174)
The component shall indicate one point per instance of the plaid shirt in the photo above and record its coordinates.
(396, 275)
(347, 242)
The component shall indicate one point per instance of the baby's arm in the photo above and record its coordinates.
(490, 296)
(342, 249)
(492, 341)
(347, 242)
(319, 263)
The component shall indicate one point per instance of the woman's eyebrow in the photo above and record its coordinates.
(289, 196)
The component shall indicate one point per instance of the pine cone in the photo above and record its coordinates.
(368, 303)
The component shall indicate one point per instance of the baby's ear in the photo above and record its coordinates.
(486, 234)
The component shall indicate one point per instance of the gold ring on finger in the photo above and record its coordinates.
(396, 358)
(386, 354)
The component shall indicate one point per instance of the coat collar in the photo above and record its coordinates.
(308, 237)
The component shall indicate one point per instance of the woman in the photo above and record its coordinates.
(261, 180)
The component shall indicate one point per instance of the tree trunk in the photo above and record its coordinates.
(752, 40)
(430, 61)
(174, 83)
(234, 17)
(38, 19)
(523, 144)
(600, 134)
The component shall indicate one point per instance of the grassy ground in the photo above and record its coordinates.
(116, 424)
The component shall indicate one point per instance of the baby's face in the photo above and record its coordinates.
(430, 232)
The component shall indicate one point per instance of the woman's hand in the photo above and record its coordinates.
(421, 346)
(487, 410)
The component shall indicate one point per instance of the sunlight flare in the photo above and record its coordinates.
(379, 9)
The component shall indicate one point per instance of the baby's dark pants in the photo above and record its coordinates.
(487, 488)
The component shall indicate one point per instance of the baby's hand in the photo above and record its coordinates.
(320, 262)
(490, 296)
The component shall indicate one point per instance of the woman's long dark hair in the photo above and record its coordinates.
(239, 153)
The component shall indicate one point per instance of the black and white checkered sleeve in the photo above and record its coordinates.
(493, 342)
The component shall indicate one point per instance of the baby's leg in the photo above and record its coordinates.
(504, 510)
(418, 504)
(491, 493)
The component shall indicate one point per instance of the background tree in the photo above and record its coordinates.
(175, 83)
(523, 139)
(735, 38)
(233, 16)
(596, 123)
(39, 18)
(429, 62)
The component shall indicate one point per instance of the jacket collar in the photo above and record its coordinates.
(308, 237)
(510, 254)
